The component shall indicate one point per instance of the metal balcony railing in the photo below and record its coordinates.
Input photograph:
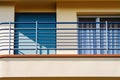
(83, 37)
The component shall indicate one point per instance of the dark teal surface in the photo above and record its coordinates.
(44, 40)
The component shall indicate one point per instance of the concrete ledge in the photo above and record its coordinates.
(63, 56)
(60, 78)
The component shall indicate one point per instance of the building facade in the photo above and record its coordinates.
(59, 38)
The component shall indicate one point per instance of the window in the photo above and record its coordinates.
(99, 38)
(26, 36)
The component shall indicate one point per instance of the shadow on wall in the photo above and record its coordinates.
(27, 41)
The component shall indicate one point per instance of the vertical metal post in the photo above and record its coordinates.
(36, 37)
(9, 37)
(98, 34)
(106, 23)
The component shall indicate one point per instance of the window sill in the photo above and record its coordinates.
(63, 56)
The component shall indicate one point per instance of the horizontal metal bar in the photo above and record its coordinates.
(85, 36)
(19, 33)
(60, 39)
(62, 45)
(14, 36)
(42, 42)
(84, 31)
(60, 29)
(85, 41)
(88, 38)
(64, 33)
(26, 45)
(63, 42)
(65, 39)
(73, 33)
(63, 49)
(59, 23)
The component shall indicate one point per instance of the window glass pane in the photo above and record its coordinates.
(113, 35)
(86, 37)
(46, 38)
(93, 38)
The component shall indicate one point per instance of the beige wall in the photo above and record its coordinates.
(35, 7)
(7, 12)
(92, 6)
(68, 12)
(65, 14)
(6, 15)
(43, 67)
(3, 68)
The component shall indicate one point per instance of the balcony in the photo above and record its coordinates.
(86, 40)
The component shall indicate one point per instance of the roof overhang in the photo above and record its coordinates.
(52, 0)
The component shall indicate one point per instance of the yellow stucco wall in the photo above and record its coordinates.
(60, 67)
(6, 15)
(66, 12)
(6, 12)
(35, 7)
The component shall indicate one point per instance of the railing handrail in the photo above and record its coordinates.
(59, 22)
(42, 36)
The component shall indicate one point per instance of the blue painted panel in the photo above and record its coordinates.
(45, 41)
